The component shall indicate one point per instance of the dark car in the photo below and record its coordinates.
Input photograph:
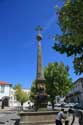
(81, 106)
(78, 106)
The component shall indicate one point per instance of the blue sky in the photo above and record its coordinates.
(18, 45)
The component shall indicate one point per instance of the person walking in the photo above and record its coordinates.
(80, 116)
(72, 112)
(59, 117)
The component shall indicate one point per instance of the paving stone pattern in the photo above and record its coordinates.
(9, 118)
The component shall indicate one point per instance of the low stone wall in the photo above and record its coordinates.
(37, 118)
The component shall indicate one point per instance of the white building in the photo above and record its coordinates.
(7, 96)
(5, 89)
(76, 94)
(13, 102)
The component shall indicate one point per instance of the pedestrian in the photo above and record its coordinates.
(80, 116)
(2, 104)
(59, 117)
(72, 112)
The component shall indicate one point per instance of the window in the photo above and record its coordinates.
(14, 98)
(2, 88)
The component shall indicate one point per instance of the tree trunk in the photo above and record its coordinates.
(52, 104)
(21, 105)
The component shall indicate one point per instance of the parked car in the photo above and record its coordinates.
(81, 106)
(49, 107)
(78, 106)
(70, 105)
(28, 105)
(57, 105)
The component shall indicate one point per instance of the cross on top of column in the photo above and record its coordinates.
(39, 36)
(39, 28)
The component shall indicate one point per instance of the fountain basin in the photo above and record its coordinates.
(38, 118)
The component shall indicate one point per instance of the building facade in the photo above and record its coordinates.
(5, 89)
(7, 96)
(13, 101)
(76, 94)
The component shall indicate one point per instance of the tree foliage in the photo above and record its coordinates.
(57, 79)
(70, 18)
(21, 96)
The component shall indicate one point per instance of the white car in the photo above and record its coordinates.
(28, 105)
(49, 106)
(70, 105)
(57, 105)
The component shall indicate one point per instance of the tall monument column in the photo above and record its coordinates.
(41, 94)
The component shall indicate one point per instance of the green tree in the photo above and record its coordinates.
(21, 96)
(70, 19)
(57, 80)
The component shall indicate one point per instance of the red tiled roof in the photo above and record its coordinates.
(4, 83)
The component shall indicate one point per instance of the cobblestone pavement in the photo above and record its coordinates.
(8, 118)
(70, 120)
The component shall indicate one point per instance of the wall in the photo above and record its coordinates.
(76, 94)
(6, 91)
